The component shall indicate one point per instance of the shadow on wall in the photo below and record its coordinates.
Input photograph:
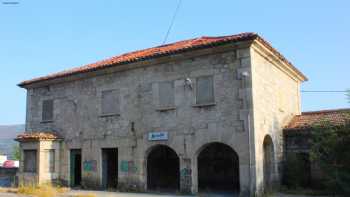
(271, 163)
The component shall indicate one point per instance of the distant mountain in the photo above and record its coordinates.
(10, 131)
(7, 135)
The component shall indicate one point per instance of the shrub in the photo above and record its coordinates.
(297, 171)
(330, 149)
(45, 190)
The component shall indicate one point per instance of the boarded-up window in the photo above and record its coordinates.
(29, 160)
(50, 157)
(47, 113)
(166, 94)
(205, 90)
(110, 102)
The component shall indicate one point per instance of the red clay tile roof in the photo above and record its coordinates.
(307, 120)
(38, 135)
(163, 50)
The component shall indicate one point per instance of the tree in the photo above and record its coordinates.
(331, 151)
(16, 153)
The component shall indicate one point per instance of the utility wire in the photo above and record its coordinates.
(172, 22)
(324, 91)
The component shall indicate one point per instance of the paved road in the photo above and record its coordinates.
(118, 194)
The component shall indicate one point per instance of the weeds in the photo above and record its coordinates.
(86, 195)
(45, 190)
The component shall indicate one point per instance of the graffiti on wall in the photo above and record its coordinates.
(186, 176)
(90, 165)
(186, 172)
(128, 166)
(186, 179)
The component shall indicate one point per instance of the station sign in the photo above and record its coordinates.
(158, 136)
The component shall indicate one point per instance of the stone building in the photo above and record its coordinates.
(205, 114)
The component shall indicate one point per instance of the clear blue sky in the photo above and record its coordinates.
(41, 37)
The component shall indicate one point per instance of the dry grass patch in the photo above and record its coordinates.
(45, 190)
(86, 195)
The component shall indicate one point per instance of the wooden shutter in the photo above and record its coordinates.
(47, 113)
(166, 94)
(205, 90)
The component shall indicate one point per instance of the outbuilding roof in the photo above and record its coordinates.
(306, 120)
(37, 136)
(159, 51)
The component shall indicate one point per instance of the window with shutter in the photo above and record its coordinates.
(110, 102)
(50, 155)
(29, 160)
(47, 110)
(204, 90)
(166, 94)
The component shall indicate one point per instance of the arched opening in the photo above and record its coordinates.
(218, 169)
(163, 169)
(268, 162)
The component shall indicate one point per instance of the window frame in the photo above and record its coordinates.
(43, 111)
(25, 167)
(51, 166)
(209, 103)
(114, 91)
(165, 107)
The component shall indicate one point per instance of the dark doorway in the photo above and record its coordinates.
(218, 169)
(268, 163)
(110, 168)
(75, 167)
(163, 169)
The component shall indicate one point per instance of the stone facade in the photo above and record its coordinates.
(276, 100)
(255, 95)
(42, 174)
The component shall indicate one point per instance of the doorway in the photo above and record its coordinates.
(75, 167)
(268, 162)
(218, 169)
(110, 168)
(163, 169)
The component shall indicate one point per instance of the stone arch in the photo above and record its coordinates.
(162, 168)
(218, 168)
(268, 162)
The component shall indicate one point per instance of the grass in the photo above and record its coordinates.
(45, 190)
(86, 195)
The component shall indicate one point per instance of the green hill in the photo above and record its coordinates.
(7, 135)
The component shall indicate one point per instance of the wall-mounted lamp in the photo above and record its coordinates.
(188, 82)
(245, 74)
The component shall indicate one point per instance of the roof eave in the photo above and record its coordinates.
(36, 139)
(251, 38)
(30, 84)
(282, 58)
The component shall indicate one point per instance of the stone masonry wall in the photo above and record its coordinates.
(77, 106)
(276, 99)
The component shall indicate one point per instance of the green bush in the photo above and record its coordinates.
(297, 171)
(330, 148)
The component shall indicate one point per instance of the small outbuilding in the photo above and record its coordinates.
(297, 139)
